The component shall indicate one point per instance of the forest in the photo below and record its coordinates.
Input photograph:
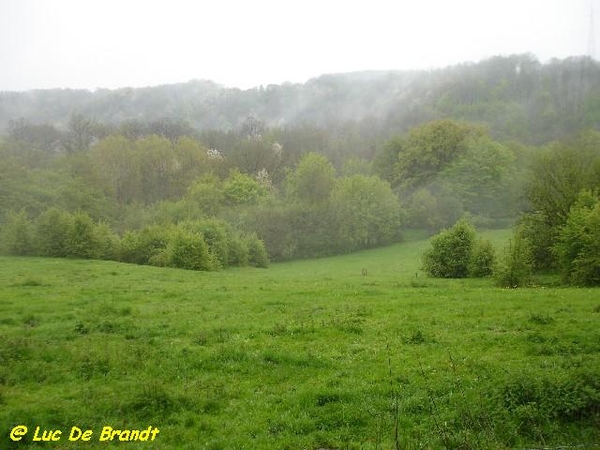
(201, 177)
(374, 260)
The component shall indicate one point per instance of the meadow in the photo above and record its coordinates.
(360, 351)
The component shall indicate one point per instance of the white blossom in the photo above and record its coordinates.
(213, 153)
(277, 149)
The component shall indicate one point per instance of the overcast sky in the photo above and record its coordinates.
(118, 43)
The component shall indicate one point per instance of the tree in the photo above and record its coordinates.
(257, 253)
(578, 243)
(17, 235)
(366, 211)
(242, 189)
(313, 179)
(479, 177)
(483, 259)
(80, 134)
(433, 208)
(560, 173)
(430, 148)
(450, 252)
(82, 240)
(52, 230)
(207, 193)
(516, 265)
(384, 163)
(188, 250)
(115, 168)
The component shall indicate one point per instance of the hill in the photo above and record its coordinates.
(309, 354)
(517, 97)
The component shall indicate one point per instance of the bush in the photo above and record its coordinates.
(82, 240)
(237, 252)
(366, 212)
(17, 237)
(483, 259)
(578, 246)
(52, 233)
(541, 235)
(140, 247)
(108, 242)
(450, 252)
(189, 251)
(215, 234)
(257, 253)
(516, 265)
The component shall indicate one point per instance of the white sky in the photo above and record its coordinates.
(246, 43)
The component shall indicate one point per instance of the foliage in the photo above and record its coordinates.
(561, 172)
(257, 253)
(207, 193)
(558, 174)
(242, 189)
(57, 233)
(433, 209)
(536, 228)
(385, 160)
(237, 251)
(216, 235)
(515, 266)
(188, 250)
(517, 97)
(429, 149)
(313, 179)
(141, 246)
(479, 177)
(483, 259)
(450, 253)
(578, 243)
(145, 170)
(52, 232)
(17, 236)
(366, 212)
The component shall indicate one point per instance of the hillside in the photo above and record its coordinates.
(517, 97)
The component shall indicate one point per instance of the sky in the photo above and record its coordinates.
(89, 44)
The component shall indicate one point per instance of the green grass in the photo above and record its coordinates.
(303, 355)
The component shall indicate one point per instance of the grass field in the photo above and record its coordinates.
(303, 355)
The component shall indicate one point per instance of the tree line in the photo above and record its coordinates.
(517, 97)
(286, 193)
(559, 231)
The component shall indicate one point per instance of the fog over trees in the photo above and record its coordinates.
(199, 176)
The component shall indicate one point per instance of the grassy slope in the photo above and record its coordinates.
(307, 354)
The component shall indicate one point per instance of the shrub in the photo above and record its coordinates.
(578, 245)
(257, 253)
(140, 247)
(366, 212)
(108, 242)
(541, 235)
(17, 236)
(215, 234)
(82, 241)
(52, 232)
(188, 250)
(450, 252)
(237, 251)
(242, 189)
(516, 264)
(483, 259)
